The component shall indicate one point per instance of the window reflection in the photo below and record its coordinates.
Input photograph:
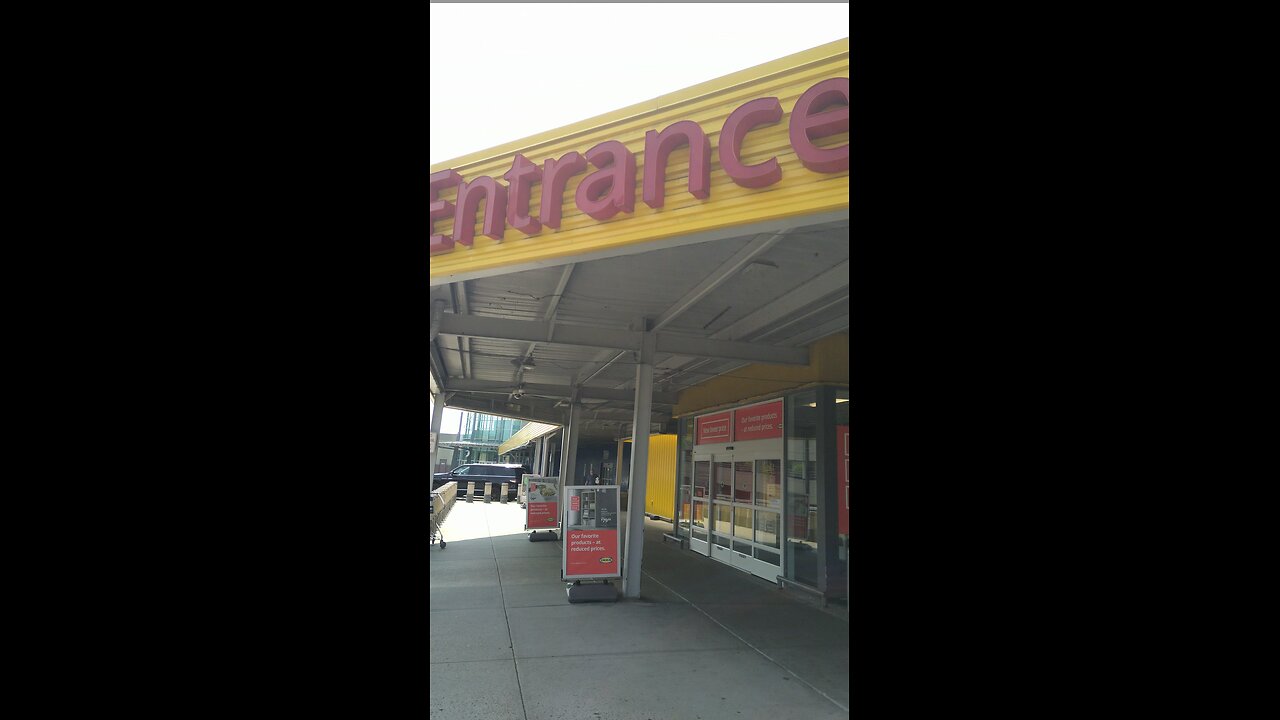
(742, 477)
(742, 523)
(701, 478)
(767, 528)
(700, 514)
(723, 481)
(769, 483)
(685, 498)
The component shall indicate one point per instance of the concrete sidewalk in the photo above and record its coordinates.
(703, 642)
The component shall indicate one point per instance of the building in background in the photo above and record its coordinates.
(478, 438)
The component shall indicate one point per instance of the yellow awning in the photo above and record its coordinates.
(528, 433)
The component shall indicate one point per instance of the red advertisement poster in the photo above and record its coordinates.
(842, 476)
(542, 509)
(591, 552)
(758, 422)
(714, 428)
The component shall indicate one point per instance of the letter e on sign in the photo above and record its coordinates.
(811, 120)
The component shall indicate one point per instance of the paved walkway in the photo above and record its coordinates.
(703, 642)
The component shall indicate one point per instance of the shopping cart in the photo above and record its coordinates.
(439, 511)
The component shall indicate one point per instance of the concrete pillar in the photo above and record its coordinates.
(437, 413)
(830, 566)
(639, 468)
(569, 455)
(543, 456)
(617, 466)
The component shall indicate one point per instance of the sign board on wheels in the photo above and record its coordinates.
(592, 546)
(542, 503)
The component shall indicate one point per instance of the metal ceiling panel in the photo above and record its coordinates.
(613, 293)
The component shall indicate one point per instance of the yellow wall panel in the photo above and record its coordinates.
(828, 363)
(660, 489)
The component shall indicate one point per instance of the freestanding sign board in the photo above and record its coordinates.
(542, 503)
(592, 546)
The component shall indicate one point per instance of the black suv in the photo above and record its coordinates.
(477, 474)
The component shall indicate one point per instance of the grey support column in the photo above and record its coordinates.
(437, 413)
(830, 566)
(639, 469)
(617, 466)
(569, 455)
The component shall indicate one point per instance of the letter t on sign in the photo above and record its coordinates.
(522, 175)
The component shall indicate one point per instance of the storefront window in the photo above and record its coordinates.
(801, 465)
(769, 483)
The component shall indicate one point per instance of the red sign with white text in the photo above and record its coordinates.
(715, 428)
(842, 476)
(542, 507)
(758, 422)
(574, 503)
(591, 552)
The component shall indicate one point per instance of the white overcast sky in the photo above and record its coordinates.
(505, 71)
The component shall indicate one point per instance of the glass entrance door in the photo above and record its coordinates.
(700, 516)
(739, 523)
(722, 508)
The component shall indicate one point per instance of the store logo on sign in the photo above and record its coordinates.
(820, 112)
(606, 560)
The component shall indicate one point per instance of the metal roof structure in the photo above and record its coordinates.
(518, 344)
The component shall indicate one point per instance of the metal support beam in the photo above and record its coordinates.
(437, 307)
(540, 412)
(464, 342)
(749, 327)
(504, 329)
(726, 270)
(808, 292)
(604, 365)
(820, 331)
(558, 391)
(729, 350)
(569, 456)
(617, 467)
(543, 450)
(550, 315)
(634, 549)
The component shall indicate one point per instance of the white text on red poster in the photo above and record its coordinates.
(714, 428)
(758, 422)
(591, 552)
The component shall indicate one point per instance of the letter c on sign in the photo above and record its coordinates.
(736, 126)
